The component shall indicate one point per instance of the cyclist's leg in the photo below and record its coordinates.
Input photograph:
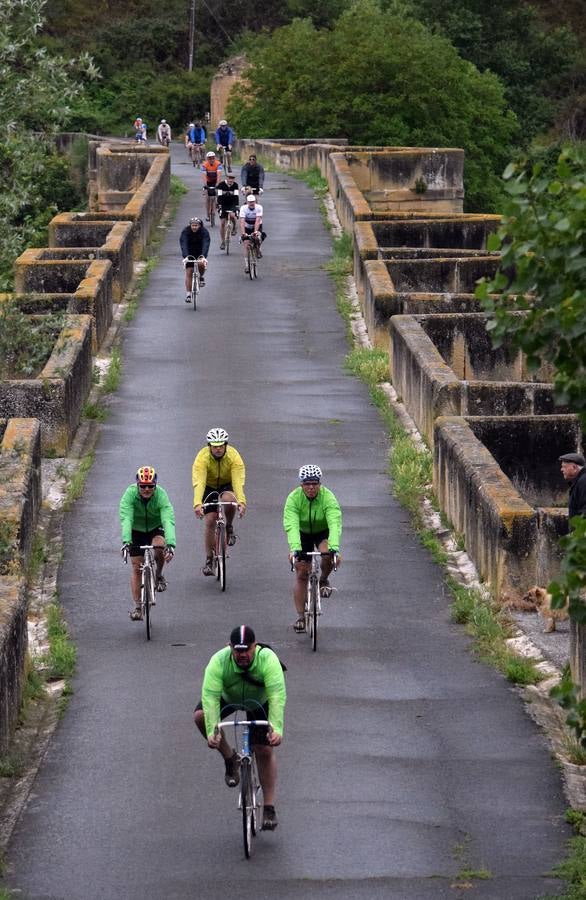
(202, 265)
(210, 520)
(188, 276)
(222, 217)
(229, 511)
(327, 563)
(302, 568)
(158, 543)
(267, 772)
(198, 717)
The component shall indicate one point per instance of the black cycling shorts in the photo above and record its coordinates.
(211, 494)
(140, 538)
(249, 229)
(223, 213)
(310, 542)
(211, 189)
(258, 733)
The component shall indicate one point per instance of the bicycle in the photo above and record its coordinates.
(226, 158)
(211, 204)
(229, 230)
(312, 609)
(252, 247)
(195, 280)
(148, 580)
(220, 541)
(249, 798)
(196, 154)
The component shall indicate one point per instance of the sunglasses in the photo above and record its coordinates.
(146, 487)
(310, 483)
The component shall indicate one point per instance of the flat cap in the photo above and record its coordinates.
(573, 458)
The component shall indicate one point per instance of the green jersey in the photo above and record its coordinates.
(141, 515)
(224, 679)
(312, 516)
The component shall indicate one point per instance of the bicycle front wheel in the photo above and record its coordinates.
(228, 235)
(247, 806)
(212, 214)
(147, 598)
(313, 610)
(194, 287)
(222, 557)
(250, 258)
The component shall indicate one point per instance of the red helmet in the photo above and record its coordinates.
(146, 475)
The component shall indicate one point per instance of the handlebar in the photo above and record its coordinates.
(239, 723)
(333, 553)
(220, 503)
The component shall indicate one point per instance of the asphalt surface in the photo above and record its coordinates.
(405, 761)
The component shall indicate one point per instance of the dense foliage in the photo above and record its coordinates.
(410, 89)
(37, 91)
(26, 342)
(543, 270)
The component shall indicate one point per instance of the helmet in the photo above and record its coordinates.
(222, 122)
(217, 436)
(163, 121)
(146, 475)
(210, 153)
(309, 473)
(251, 198)
(195, 221)
(191, 125)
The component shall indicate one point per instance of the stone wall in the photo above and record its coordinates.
(56, 396)
(20, 499)
(71, 239)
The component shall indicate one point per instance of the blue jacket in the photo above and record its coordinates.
(224, 137)
(197, 135)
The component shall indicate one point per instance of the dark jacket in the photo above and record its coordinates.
(252, 175)
(195, 243)
(577, 501)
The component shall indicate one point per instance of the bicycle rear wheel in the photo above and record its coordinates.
(247, 807)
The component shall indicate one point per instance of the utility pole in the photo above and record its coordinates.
(191, 35)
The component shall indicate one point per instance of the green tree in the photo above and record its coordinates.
(383, 78)
(542, 272)
(537, 64)
(37, 92)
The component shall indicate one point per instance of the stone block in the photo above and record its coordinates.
(495, 479)
(77, 286)
(20, 490)
(443, 365)
(71, 238)
(57, 395)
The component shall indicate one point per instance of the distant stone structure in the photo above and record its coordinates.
(229, 74)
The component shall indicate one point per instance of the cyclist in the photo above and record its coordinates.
(194, 241)
(252, 176)
(242, 676)
(146, 517)
(217, 468)
(137, 125)
(164, 133)
(228, 206)
(225, 138)
(251, 226)
(195, 140)
(211, 170)
(312, 519)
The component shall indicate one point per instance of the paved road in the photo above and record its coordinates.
(405, 760)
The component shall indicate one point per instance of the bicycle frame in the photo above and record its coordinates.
(252, 257)
(249, 802)
(226, 159)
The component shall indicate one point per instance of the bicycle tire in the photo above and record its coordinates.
(249, 257)
(194, 286)
(246, 803)
(147, 596)
(212, 214)
(227, 236)
(313, 600)
(222, 557)
(257, 806)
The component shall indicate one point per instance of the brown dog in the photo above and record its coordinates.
(541, 601)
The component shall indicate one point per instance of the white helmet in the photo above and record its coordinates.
(163, 121)
(309, 473)
(222, 122)
(251, 198)
(210, 154)
(191, 125)
(217, 436)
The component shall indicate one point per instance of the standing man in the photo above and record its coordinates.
(312, 520)
(217, 470)
(245, 676)
(194, 241)
(252, 176)
(146, 517)
(573, 471)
